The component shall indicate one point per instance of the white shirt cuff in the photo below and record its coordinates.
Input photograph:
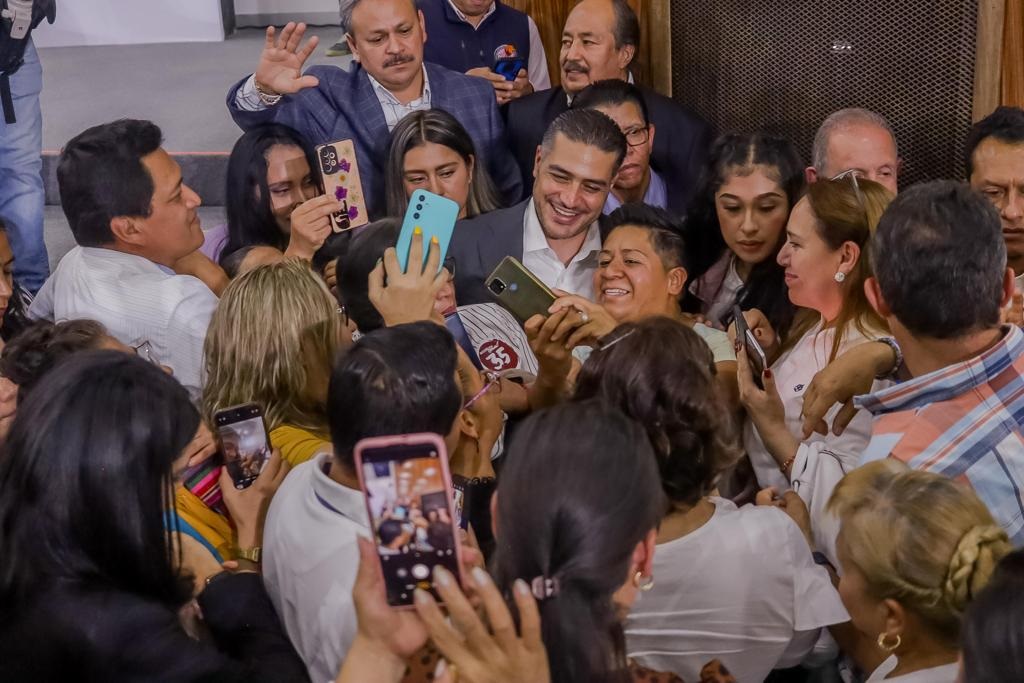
(247, 99)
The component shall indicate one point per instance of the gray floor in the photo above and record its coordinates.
(181, 87)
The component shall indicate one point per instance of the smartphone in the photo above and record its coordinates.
(243, 442)
(436, 216)
(758, 361)
(409, 500)
(509, 67)
(519, 291)
(339, 172)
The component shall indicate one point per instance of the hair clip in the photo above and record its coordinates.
(542, 587)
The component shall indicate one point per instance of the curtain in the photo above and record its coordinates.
(1013, 55)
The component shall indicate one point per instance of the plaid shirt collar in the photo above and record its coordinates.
(949, 382)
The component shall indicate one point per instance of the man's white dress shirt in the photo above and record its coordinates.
(541, 260)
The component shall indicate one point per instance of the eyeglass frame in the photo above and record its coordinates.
(493, 379)
(646, 130)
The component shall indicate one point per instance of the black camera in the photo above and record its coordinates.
(496, 286)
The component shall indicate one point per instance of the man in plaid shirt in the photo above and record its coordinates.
(940, 280)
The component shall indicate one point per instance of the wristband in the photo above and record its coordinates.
(251, 554)
(894, 345)
(267, 98)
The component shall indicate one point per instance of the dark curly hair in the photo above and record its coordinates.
(662, 374)
(43, 344)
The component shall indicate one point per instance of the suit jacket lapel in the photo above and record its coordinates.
(506, 238)
(370, 116)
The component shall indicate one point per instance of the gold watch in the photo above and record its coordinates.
(252, 554)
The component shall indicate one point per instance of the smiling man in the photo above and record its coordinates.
(387, 81)
(137, 268)
(599, 42)
(555, 233)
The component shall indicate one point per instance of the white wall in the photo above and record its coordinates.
(124, 22)
(284, 6)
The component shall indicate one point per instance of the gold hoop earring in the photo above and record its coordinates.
(644, 583)
(887, 647)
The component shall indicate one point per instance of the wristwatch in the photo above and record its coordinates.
(252, 554)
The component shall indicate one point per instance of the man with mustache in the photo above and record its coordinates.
(599, 42)
(387, 81)
(554, 233)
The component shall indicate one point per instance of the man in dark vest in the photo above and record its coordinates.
(470, 36)
(599, 42)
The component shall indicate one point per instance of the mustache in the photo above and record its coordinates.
(572, 65)
(398, 59)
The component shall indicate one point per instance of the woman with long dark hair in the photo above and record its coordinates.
(273, 196)
(91, 586)
(430, 150)
(737, 224)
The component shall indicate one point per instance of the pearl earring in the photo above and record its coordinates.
(840, 277)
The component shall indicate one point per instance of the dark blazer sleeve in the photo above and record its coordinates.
(311, 111)
(478, 245)
(681, 143)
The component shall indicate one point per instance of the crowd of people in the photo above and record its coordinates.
(769, 430)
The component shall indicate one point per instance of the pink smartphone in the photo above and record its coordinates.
(409, 500)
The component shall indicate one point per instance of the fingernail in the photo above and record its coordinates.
(421, 597)
(417, 230)
(380, 260)
(433, 239)
(767, 373)
(480, 577)
(520, 587)
(439, 670)
(442, 577)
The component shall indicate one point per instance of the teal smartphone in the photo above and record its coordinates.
(436, 216)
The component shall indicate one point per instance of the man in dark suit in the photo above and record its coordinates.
(388, 81)
(555, 233)
(599, 42)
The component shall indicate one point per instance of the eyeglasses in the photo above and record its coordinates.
(637, 136)
(145, 352)
(492, 382)
(853, 174)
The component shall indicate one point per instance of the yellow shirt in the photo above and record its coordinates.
(214, 528)
(297, 445)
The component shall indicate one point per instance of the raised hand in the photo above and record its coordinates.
(280, 68)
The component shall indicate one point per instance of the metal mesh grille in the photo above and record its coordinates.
(784, 65)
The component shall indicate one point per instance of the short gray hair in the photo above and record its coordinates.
(844, 118)
(347, 7)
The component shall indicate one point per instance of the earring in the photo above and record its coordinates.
(840, 277)
(644, 583)
(887, 647)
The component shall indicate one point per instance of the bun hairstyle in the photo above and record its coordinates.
(918, 538)
(661, 373)
(43, 344)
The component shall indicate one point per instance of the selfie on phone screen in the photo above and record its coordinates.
(409, 505)
(244, 443)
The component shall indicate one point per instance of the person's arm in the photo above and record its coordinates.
(540, 77)
(500, 161)
(198, 265)
(311, 226)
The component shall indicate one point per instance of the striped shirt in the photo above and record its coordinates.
(499, 340)
(965, 421)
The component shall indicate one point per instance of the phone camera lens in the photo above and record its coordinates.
(422, 198)
(496, 286)
(419, 207)
(416, 216)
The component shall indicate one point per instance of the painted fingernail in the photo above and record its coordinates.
(480, 577)
(417, 230)
(439, 670)
(520, 587)
(433, 239)
(442, 577)
(421, 596)
(767, 373)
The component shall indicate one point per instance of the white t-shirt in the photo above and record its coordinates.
(138, 301)
(721, 348)
(743, 589)
(821, 461)
(947, 673)
(310, 560)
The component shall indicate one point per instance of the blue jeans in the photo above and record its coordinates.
(21, 183)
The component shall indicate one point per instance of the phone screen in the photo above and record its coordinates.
(243, 442)
(509, 67)
(409, 502)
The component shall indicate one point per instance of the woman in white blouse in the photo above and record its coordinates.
(914, 548)
(734, 584)
(825, 261)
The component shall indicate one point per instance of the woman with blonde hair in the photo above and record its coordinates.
(825, 257)
(915, 548)
(272, 341)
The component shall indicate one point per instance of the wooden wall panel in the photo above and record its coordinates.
(1013, 54)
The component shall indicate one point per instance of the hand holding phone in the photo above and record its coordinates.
(409, 501)
(755, 354)
(434, 216)
(244, 442)
(406, 297)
